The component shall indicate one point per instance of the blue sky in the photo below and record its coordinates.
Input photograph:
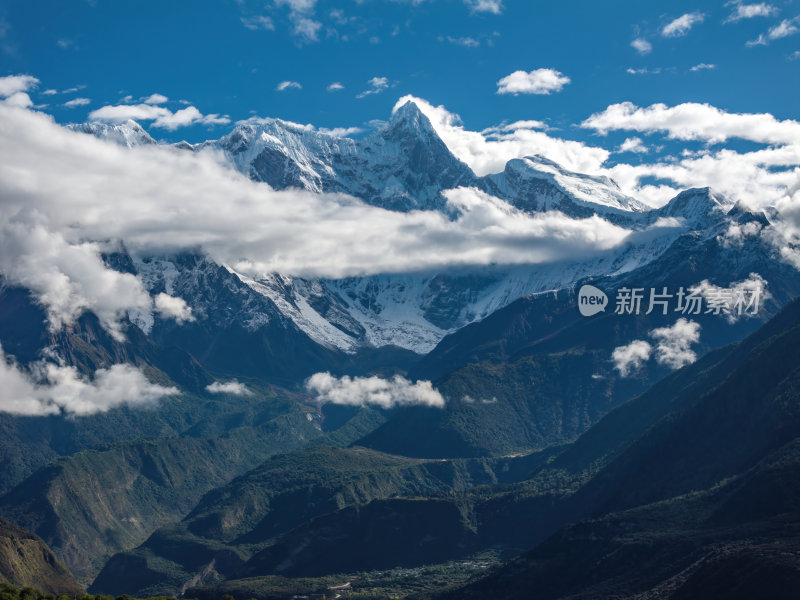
(228, 58)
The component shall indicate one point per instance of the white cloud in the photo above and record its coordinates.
(785, 233)
(736, 234)
(173, 307)
(335, 87)
(489, 152)
(783, 29)
(749, 11)
(77, 102)
(156, 99)
(681, 26)
(53, 389)
(376, 86)
(760, 177)
(374, 391)
(256, 22)
(674, 343)
(232, 388)
(633, 144)
(67, 278)
(13, 90)
(642, 46)
(288, 85)
(703, 67)
(18, 100)
(494, 7)
(628, 359)
(538, 81)
(13, 84)
(160, 116)
(306, 29)
(693, 121)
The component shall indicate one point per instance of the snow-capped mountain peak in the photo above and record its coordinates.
(128, 134)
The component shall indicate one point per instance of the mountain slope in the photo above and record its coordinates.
(95, 503)
(265, 506)
(26, 561)
(703, 504)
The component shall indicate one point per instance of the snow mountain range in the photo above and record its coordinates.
(403, 166)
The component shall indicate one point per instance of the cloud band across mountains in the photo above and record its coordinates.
(67, 197)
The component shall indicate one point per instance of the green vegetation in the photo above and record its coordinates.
(26, 560)
(698, 491)
(96, 503)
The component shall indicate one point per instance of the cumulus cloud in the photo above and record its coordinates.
(231, 388)
(335, 87)
(642, 46)
(633, 144)
(172, 307)
(681, 26)
(784, 234)
(160, 116)
(13, 84)
(538, 81)
(674, 343)
(288, 85)
(14, 88)
(703, 67)
(376, 86)
(494, 7)
(694, 121)
(628, 359)
(749, 11)
(760, 177)
(57, 389)
(75, 102)
(373, 391)
(155, 99)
